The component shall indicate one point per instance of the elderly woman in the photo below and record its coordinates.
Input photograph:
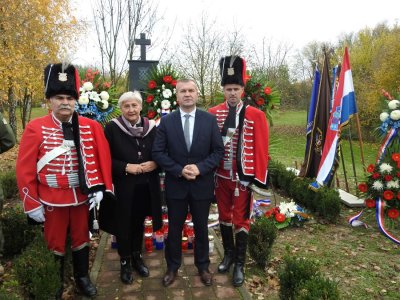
(136, 182)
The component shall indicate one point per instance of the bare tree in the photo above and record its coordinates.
(198, 57)
(235, 43)
(118, 23)
(308, 58)
(269, 58)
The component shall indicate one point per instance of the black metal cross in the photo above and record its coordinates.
(143, 42)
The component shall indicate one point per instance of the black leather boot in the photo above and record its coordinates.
(126, 270)
(138, 264)
(240, 258)
(60, 260)
(80, 260)
(227, 241)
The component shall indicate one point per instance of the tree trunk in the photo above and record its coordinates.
(26, 108)
(12, 107)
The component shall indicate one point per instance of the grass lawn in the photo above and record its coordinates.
(287, 145)
(362, 261)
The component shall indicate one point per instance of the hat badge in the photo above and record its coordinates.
(62, 76)
(231, 70)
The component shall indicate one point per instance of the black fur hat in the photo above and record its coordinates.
(61, 79)
(232, 70)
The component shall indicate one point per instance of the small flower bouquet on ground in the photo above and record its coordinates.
(287, 214)
(92, 104)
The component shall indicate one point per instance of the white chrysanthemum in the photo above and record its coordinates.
(288, 208)
(163, 87)
(81, 89)
(155, 103)
(385, 168)
(174, 102)
(158, 91)
(104, 95)
(393, 104)
(393, 184)
(165, 104)
(158, 110)
(395, 115)
(94, 96)
(83, 100)
(104, 104)
(167, 93)
(377, 185)
(174, 91)
(88, 86)
(383, 116)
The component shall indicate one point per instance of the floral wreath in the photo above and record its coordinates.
(383, 182)
(160, 95)
(262, 96)
(381, 188)
(91, 104)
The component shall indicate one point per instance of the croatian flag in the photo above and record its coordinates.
(344, 106)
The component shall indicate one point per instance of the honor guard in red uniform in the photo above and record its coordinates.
(244, 131)
(64, 165)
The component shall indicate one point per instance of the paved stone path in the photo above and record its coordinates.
(105, 274)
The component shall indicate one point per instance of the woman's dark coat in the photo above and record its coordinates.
(124, 150)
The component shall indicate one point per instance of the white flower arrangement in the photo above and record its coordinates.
(383, 116)
(393, 184)
(87, 86)
(385, 168)
(395, 115)
(93, 105)
(83, 100)
(393, 104)
(167, 93)
(377, 185)
(288, 208)
(165, 104)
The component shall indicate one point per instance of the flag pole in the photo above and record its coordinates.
(360, 141)
(352, 155)
(344, 168)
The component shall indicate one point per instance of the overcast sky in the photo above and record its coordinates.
(295, 23)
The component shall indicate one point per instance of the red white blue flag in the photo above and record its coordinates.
(344, 107)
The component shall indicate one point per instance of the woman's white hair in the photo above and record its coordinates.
(135, 95)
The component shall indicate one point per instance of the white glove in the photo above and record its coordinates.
(95, 199)
(37, 215)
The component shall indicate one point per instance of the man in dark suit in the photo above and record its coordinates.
(188, 146)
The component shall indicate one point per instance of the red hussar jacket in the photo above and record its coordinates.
(55, 182)
(251, 145)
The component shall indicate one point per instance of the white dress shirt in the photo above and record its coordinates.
(191, 121)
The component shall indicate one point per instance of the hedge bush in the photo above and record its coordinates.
(9, 184)
(300, 279)
(325, 202)
(318, 288)
(262, 236)
(18, 234)
(37, 270)
(294, 274)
